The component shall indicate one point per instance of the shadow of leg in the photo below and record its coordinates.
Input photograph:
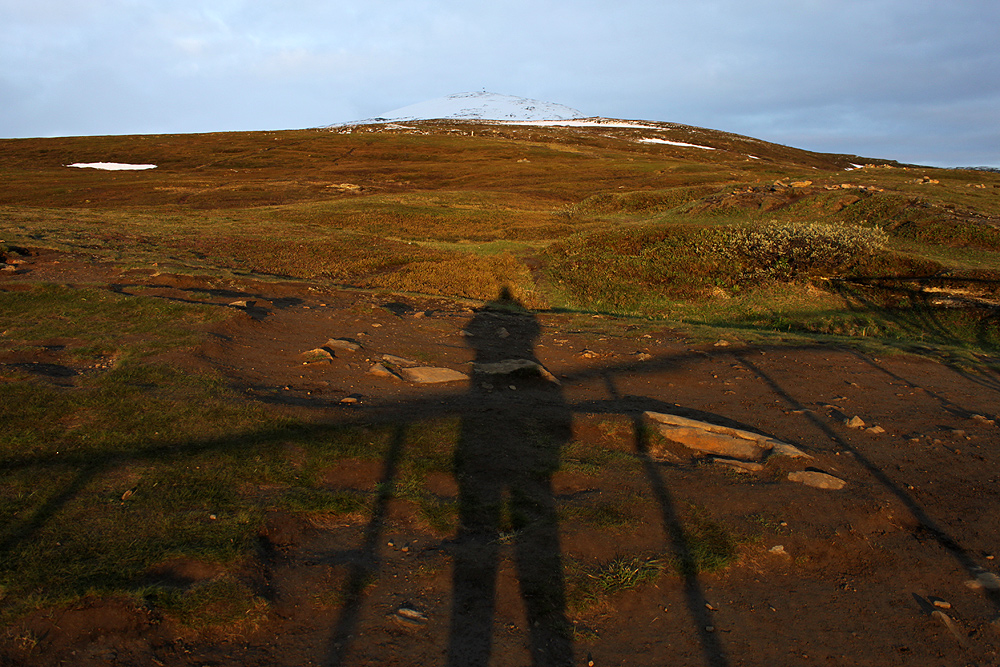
(476, 555)
(539, 568)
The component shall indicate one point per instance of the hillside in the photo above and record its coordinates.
(527, 391)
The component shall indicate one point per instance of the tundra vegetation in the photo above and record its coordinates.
(766, 241)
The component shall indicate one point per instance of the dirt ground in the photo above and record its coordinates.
(894, 569)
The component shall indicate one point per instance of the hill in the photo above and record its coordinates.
(544, 391)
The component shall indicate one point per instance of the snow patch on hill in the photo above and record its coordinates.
(674, 143)
(112, 166)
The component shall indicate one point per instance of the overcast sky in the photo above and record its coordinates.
(912, 80)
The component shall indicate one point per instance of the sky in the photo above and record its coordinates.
(913, 80)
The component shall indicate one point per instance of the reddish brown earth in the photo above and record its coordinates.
(854, 582)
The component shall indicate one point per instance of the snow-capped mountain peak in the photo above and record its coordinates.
(479, 106)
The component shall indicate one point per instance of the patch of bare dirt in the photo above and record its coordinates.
(823, 577)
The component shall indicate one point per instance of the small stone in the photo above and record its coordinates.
(801, 184)
(410, 616)
(958, 433)
(877, 430)
(778, 550)
(589, 354)
(855, 422)
(241, 303)
(643, 356)
(722, 343)
(940, 604)
(817, 480)
(349, 400)
(709, 628)
(503, 333)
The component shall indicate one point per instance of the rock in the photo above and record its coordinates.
(722, 343)
(349, 400)
(950, 624)
(740, 466)
(410, 616)
(399, 361)
(720, 440)
(431, 375)
(378, 370)
(589, 354)
(778, 550)
(242, 303)
(342, 344)
(643, 356)
(817, 480)
(503, 333)
(989, 581)
(855, 422)
(9, 268)
(940, 604)
(784, 449)
(515, 367)
(877, 430)
(319, 354)
(801, 184)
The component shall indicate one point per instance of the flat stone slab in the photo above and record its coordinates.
(720, 440)
(515, 367)
(430, 375)
(817, 480)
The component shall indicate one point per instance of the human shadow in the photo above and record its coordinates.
(508, 449)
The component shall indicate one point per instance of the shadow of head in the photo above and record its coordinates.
(503, 329)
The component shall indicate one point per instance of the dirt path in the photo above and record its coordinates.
(829, 577)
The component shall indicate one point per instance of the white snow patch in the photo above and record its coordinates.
(753, 157)
(585, 122)
(674, 143)
(855, 166)
(112, 166)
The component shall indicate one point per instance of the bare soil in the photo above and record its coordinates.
(823, 577)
